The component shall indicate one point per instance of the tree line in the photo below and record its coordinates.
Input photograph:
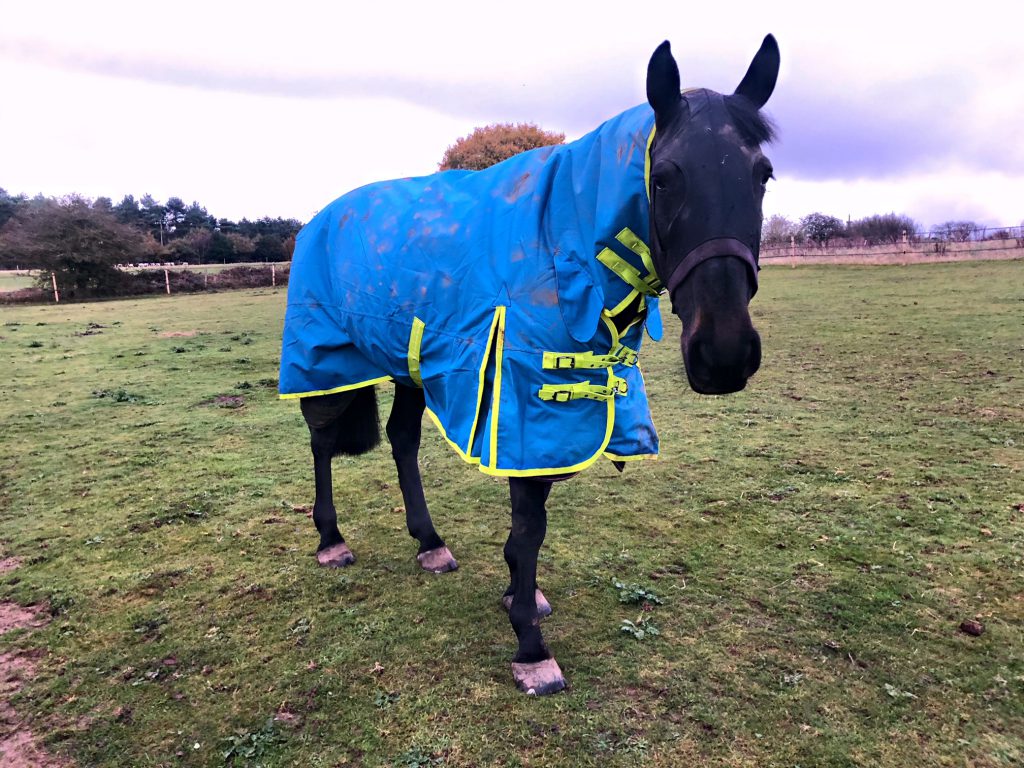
(889, 228)
(39, 232)
(82, 241)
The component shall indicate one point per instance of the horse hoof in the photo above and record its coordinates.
(539, 678)
(438, 560)
(335, 556)
(543, 606)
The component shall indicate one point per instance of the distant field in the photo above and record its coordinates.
(11, 280)
(218, 267)
(816, 539)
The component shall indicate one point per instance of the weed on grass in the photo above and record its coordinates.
(253, 748)
(640, 629)
(417, 757)
(634, 594)
(119, 395)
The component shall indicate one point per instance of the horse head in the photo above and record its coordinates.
(707, 184)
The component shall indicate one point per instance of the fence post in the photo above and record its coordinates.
(56, 295)
(273, 276)
(167, 281)
(792, 252)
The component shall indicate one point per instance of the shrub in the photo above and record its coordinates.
(884, 228)
(78, 243)
(25, 296)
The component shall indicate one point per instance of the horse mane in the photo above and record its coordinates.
(755, 126)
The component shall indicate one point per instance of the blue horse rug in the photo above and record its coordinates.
(497, 292)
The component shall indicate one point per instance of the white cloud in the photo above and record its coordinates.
(990, 199)
(261, 108)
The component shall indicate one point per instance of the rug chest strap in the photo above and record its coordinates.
(567, 360)
(563, 393)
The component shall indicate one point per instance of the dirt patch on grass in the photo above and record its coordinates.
(225, 401)
(14, 616)
(178, 334)
(9, 563)
(19, 745)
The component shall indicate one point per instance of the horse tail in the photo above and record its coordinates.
(359, 428)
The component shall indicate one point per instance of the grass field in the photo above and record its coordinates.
(816, 541)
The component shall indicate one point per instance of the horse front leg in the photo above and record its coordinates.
(403, 429)
(534, 668)
(543, 606)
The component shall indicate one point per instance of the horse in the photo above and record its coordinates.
(509, 304)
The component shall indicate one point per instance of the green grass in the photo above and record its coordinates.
(816, 541)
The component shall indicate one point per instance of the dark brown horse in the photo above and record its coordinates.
(706, 182)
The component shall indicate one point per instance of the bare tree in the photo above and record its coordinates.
(821, 228)
(954, 231)
(777, 230)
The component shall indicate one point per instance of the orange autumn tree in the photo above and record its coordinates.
(493, 143)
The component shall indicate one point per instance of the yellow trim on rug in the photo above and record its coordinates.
(346, 388)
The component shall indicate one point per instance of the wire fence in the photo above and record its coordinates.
(139, 280)
(943, 234)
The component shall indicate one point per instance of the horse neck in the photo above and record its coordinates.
(605, 172)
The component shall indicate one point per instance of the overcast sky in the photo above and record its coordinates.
(275, 109)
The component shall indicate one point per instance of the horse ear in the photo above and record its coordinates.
(759, 82)
(663, 83)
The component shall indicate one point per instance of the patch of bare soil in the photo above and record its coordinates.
(224, 401)
(14, 616)
(178, 334)
(9, 563)
(19, 746)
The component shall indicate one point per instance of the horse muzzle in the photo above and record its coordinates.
(720, 366)
(721, 350)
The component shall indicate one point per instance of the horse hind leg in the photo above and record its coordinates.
(403, 429)
(341, 423)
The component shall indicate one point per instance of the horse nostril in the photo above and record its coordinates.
(704, 354)
(754, 358)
